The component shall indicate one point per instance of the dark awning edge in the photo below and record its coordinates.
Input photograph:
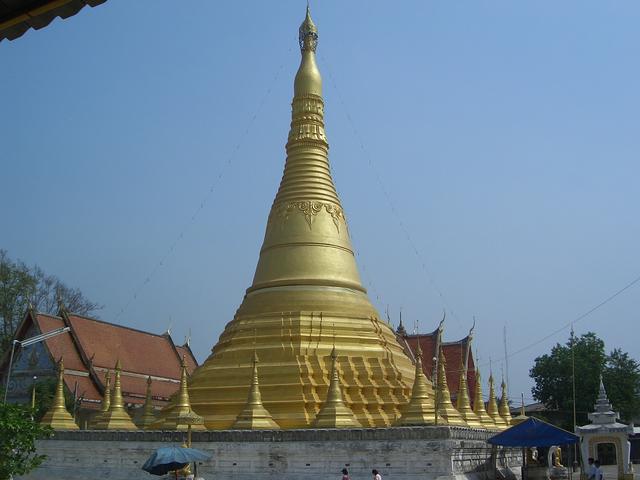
(16, 21)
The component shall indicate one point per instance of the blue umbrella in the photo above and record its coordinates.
(167, 459)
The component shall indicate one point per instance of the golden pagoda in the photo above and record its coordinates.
(105, 404)
(420, 410)
(57, 417)
(178, 414)
(463, 404)
(255, 416)
(148, 417)
(478, 405)
(334, 413)
(492, 406)
(116, 418)
(306, 291)
(522, 417)
(503, 408)
(446, 414)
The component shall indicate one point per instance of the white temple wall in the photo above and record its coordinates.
(405, 453)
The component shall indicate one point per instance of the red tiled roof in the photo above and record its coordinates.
(453, 353)
(138, 351)
(92, 347)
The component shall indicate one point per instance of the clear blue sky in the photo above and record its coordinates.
(505, 135)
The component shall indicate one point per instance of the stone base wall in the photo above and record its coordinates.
(407, 453)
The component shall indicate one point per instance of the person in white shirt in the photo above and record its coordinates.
(376, 475)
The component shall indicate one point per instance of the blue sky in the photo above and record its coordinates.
(500, 139)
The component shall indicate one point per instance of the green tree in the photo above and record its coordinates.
(552, 374)
(621, 377)
(18, 435)
(21, 285)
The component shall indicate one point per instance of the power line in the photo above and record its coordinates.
(576, 320)
(137, 290)
(385, 192)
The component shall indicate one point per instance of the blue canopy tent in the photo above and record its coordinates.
(533, 433)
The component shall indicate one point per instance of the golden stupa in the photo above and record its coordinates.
(178, 414)
(463, 404)
(446, 413)
(334, 412)
(57, 417)
(306, 291)
(420, 410)
(478, 405)
(255, 416)
(116, 418)
(492, 406)
(503, 407)
(148, 418)
(105, 404)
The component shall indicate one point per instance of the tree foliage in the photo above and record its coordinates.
(21, 285)
(18, 435)
(553, 374)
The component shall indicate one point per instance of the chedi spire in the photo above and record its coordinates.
(334, 412)
(420, 410)
(57, 417)
(254, 416)
(306, 291)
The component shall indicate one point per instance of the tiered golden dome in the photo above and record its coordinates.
(116, 418)
(306, 292)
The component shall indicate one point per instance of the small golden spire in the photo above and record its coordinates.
(334, 412)
(522, 417)
(446, 412)
(105, 404)
(148, 417)
(503, 408)
(57, 417)
(478, 405)
(117, 417)
(463, 404)
(492, 406)
(254, 416)
(420, 409)
(178, 414)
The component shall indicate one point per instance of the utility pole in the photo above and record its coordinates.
(573, 386)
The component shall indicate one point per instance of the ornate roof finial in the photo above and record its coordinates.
(308, 33)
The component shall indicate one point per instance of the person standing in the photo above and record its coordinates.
(591, 469)
(345, 474)
(599, 475)
(377, 476)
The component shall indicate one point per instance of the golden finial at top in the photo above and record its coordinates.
(308, 33)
